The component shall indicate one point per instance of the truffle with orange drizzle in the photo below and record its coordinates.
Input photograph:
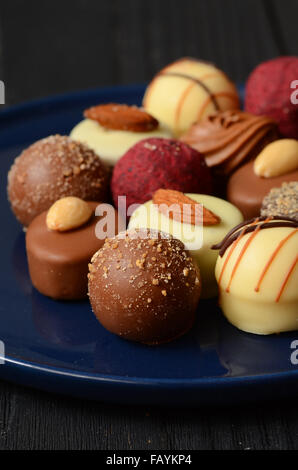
(189, 90)
(257, 275)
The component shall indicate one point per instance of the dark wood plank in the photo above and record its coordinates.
(284, 21)
(58, 48)
(34, 420)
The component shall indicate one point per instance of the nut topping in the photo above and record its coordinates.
(68, 213)
(182, 208)
(122, 117)
(278, 158)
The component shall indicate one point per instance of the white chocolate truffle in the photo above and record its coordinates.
(111, 144)
(147, 216)
(186, 91)
(258, 277)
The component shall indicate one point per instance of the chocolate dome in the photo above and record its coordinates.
(51, 168)
(144, 287)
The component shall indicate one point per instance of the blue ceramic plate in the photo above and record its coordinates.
(60, 347)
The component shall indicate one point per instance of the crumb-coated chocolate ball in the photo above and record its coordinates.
(144, 286)
(156, 163)
(52, 168)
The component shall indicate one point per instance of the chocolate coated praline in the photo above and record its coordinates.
(51, 168)
(247, 190)
(227, 139)
(257, 275)
(282, 201)
(229, 215)
(187, 91)
(144, 289)
(58, 261)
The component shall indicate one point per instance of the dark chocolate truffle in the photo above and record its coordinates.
(144, 286)
(51, 168)
(58, 261)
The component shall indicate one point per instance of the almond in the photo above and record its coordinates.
(68, 213)
(277, 158)
(122, 117)
(186, 209)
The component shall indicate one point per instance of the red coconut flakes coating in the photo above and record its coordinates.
(52, 168)
(156, 163)
(268, 92)
(144, 289)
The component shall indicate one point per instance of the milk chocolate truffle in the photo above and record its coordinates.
(227, 139)
(52, 168)
(197, 237)
(257, 274)
(144, 286)
(247, 190)
(187, 91)
(59, 248)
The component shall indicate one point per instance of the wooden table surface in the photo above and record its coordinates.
(55, 46)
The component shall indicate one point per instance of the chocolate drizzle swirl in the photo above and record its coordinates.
(196, 80)
(250, 226)
(229, 138)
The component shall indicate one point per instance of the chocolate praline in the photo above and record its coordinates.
(51, 168)
(282, 201)
(58, 261)
(148, 216)
(257, 275)
(247, 190)
(227, 139)
(144, 287)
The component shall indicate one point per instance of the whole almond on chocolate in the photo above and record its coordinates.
(182, 208)
(122, 117)
(277, 159)
(68, 213)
